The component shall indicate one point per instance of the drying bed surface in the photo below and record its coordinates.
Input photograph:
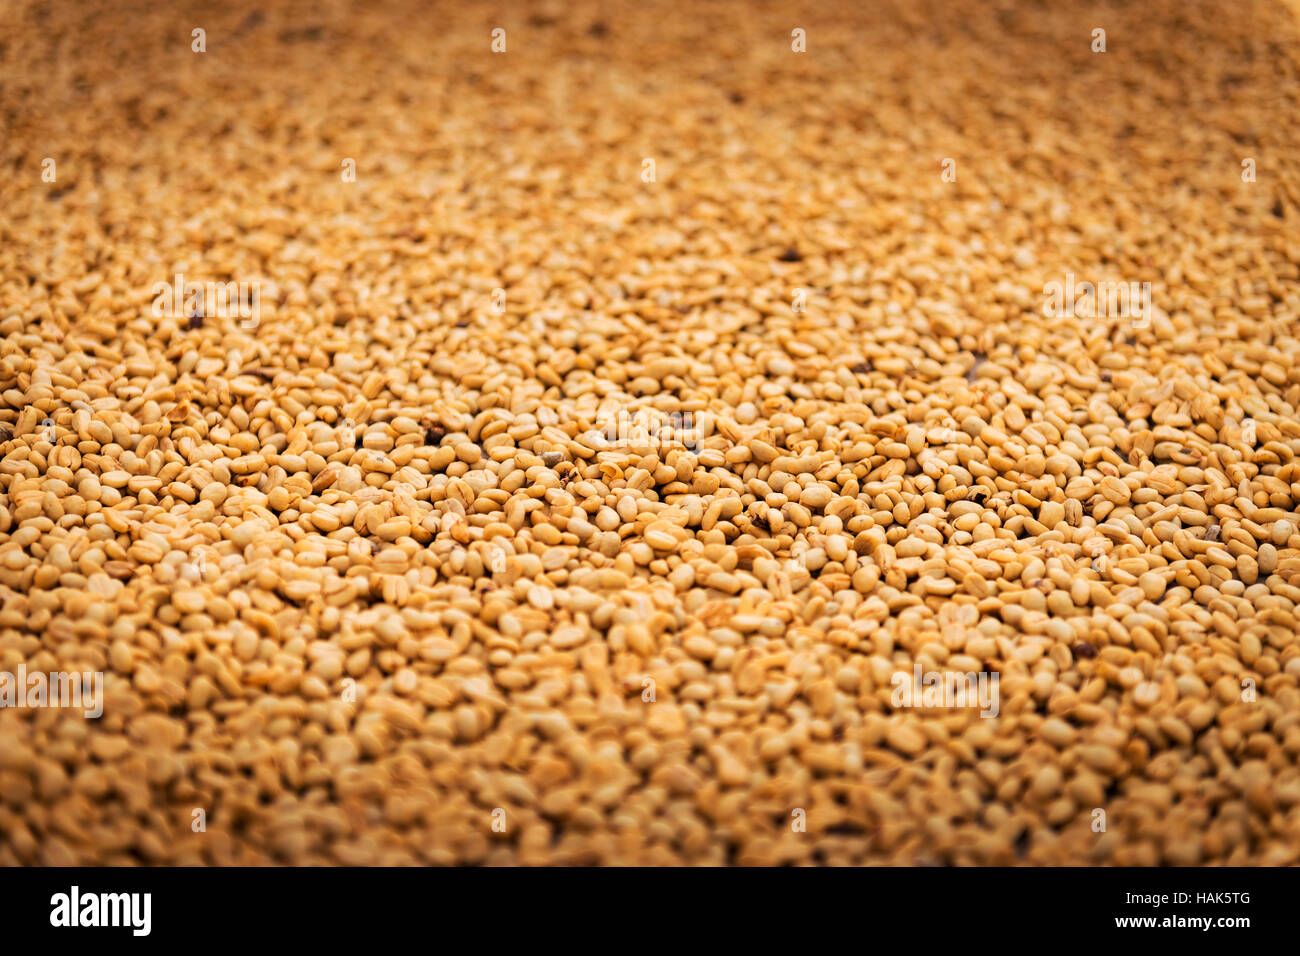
(607, 433)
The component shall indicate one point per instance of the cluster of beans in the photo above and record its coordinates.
(564, 507)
